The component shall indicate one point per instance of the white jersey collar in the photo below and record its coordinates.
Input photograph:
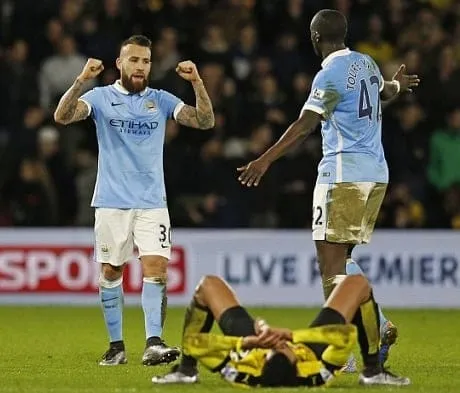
(333, 55)
(118, 86)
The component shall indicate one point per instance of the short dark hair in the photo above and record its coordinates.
(278, 371)
(140, 40)
(331, 25)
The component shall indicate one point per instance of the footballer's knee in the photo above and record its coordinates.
(206, 287)
(214, 293)
(361, 286)
(207, 284)
(155, 266)
(110, 272)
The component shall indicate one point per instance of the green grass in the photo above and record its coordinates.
(55, 349)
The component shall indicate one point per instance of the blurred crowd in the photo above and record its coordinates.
(257, 63)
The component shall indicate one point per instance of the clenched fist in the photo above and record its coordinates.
(92, 68)
(187, 70)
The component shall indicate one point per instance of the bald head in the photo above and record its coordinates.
(329, 26)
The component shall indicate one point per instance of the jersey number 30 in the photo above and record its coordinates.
(365, 108)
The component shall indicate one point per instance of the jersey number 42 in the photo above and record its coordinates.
(365, 107)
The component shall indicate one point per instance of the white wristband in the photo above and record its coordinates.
(398, 86)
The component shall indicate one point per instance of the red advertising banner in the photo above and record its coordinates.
(48, 268)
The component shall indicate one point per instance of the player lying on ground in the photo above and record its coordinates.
(251, 353)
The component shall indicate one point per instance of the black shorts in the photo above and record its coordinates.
(236, 321)
(326, 316)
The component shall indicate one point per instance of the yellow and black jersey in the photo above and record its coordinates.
(224, 354)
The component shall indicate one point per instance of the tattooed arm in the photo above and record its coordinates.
(70, 109)
(202, 115)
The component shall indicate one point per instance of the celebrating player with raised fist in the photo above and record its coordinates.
(130, 196)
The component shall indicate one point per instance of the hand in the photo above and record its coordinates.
(252, 173)
(271, 338)
(250, 342)
(260, 327)
(92, 68)
(406, 82)
(267, 339)
(285, 334)
(187, 70)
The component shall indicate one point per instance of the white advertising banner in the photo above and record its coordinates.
(273, 268)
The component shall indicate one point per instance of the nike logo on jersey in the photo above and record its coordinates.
(116, 103)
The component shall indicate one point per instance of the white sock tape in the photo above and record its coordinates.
(339, 278)
(104, 283)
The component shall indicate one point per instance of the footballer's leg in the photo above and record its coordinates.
(333, 229)
(388, 331)
(352, 298)
(213, 300)
(153, 299)
(340, 222)
(366, 318)
(151, 230)
(340, 307)
(367, 321)
(111, 296)
(113, 247)
(326, 227)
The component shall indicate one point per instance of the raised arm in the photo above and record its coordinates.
(70, 109)
(201, 116)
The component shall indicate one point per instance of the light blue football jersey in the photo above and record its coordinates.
(130, 132)
(346, 92)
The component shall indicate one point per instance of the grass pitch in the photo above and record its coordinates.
(56, 349)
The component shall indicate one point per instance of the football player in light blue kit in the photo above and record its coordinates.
(353, 175)
(129, 195)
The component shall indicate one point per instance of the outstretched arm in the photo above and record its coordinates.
(400, 83)
(70, 109)
(202, 115)
(299, 129)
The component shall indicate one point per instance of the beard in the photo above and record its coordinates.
(133, 85)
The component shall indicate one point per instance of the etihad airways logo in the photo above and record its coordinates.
(134, 127)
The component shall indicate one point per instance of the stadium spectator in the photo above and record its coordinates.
(59, 71)
(33, 198)
(85, 179)
(256, 57)
(18, 83)
(375, 45)
(444, 166)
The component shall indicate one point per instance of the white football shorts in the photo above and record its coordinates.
(346, 212)
(118, 230)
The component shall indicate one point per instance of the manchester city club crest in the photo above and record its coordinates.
(150, 106)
